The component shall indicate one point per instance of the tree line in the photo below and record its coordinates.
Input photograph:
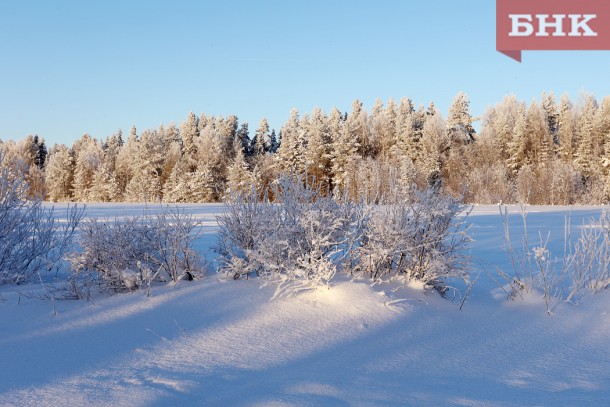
(547, 152)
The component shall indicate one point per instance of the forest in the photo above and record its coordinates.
(548, 152)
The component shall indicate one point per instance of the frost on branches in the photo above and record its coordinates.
(31, 240)
(304, 238)
(126, 254)
(420, 236)
(297, 242)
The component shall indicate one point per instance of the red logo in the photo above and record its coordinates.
(551, 25)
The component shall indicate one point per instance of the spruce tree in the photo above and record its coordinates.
(459, 120)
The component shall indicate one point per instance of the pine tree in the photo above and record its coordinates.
(189, 131)
(459, 121)
(499, 124)
(358, 125)
(540, 139)
(88, 158)
(603, 126)
(318, 152)
(261, 143)
(173, 155)
(124, 160)
(111, 148)
(174, 189)
(239, 179)
(518, 147)
(275, 142)
(586, 153)
(552, 115)
(40, 152)
(104, 187)
(59, 173)
(201, 185)
(566, 130)
(387, 129)
(290, 153)
(146, 166)
(435, 144)
(344, 153)
(407, 138)
(143, 188)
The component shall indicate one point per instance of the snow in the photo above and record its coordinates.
(223, 342)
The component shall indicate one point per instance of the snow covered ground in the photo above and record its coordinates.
(215, 342)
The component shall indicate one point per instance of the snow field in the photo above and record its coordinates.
(219, 342)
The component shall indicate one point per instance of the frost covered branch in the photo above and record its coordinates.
(125, 254)
(31, 239)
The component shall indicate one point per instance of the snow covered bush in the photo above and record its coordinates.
(297, 242)
(421, 236)
(31, 239)
(590, 258)
(303, 238)
(585, 264)
(125, 254)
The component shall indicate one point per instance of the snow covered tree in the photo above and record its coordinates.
(344, 153)
(566, 130)
(59, 173)
(200, 186)
(318, 152)
(146, 167)
(387, 129)
(261, 143)
(111, 148)
(143, 188)
(189, 131)
(243, 137)
(291, 150)
(89, 156)
(459, 120)
(551, 111)
(407, 138)
(104, 187)
(587, 152)
(358, 126)
(499, 123)
(541, 140)
(603, 126)
(174, 187)
(275, 142)
(518, 147)
(435, 144)
(239, 177)
(172, 156)
(124, 160)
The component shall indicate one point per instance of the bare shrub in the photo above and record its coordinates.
(585, 264)
(423, 238)
(303, 239)
(125, 254)
(298, 242)
(31, 239)
(590, 256)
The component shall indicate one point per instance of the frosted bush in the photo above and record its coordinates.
(422, 238)
(125, 254)
(31, 239)
(297, 242)
(303, 239)
(585, 265)
(590, 259)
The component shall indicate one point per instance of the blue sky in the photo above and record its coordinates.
(70, 67)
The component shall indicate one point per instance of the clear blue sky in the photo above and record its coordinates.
(70, 67)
